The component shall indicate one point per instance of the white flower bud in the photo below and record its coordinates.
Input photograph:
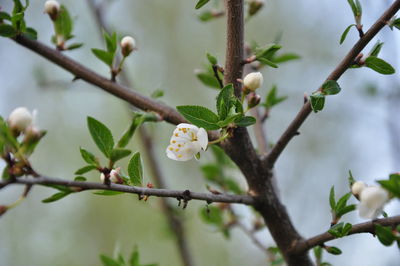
(52, 8)
(253, 81)
(114, 176)
(357, 187)
(128, 44)
(20, 119)
(372, 200)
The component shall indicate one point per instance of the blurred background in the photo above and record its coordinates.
(359, 130)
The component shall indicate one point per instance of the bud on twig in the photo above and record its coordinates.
(357, 187)
(253, 100)
(20, 119)
(252, 82)
(52, 8)
(128, 44)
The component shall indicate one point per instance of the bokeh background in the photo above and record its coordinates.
(358, 130)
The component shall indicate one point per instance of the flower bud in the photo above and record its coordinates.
(20, 119)
(253, 100)
(372, 201)
(357, 187)
(253, 81)
(255, 6)
(128, 44)
(114, 176)
(52, 8)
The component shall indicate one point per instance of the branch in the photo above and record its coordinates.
(368, 227)
(301, 116)
(184, 195)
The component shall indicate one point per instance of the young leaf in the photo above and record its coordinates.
(63, 24)
(118, 154)
(342, 202)
(212, 215)
(201, 3)
(56, 197)
(199, 116)
(111, 42)
(379, 65)
(285, 58)
(317, 101)
(346, 31)
(85, 169)
(268, 62)
(74, 46)
(104, 56)
(245, 121)
(107, 261)
(392, 185)
(5, 16)
(272, 99)
(30, 33)
(135, 170)
(80, 178)
(157, 94)
(208, 79)
(7, 31)
(101, 135)
(212, 59)
(376, 48)
(384, 234)
(134, 259)
(333, 250)
(332, 201)
(330, 87)
(137, 120)
(225, 101)
(108, 193)
(268, 52)
(88, 157)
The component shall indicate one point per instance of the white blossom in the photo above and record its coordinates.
(253, 81)
(128, 44)
(372, 200)
(114, 176)
(187, 140)
(357, 187)
(20, 119)
(52, 8)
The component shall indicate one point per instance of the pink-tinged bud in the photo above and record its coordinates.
(114, 176)
(128, 44)
(253, 99)
(20, 119)
(253, 81)
(52, 8)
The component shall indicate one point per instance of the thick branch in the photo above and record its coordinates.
(368, 227)
(185, 195)
(294, 126)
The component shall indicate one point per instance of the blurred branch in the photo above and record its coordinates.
(368, 227)
(184, 195)
(294, 126)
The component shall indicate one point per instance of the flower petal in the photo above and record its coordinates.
(202, 138)
(186, 125)
(184, 153)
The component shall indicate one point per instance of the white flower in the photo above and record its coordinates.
(253, 81)
(186, 141)
(20, 119)
(357, 187)
(372, 200)
(128, 44)
(114, 176)
(52, 8)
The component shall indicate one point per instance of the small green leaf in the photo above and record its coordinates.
(199, 116)
(104, 56)
(392, 185)
(245, 121)
(107, 261)
(201, 3)
(74, 46)
(157, 94)
(7, 31)
(80, 178)
(385, 234)
(379, 65)
(346, 209)
(267, 52)
(212, 59)
(134, 259)
(56, 197)
(285, 58)
(330, 87)
(346, 229)
(63, 24)
(376, 48)
(332, 201)
(395, 23)
(272, 98)
(208, 79)
(267, 62)
(333, 250)
(30, 33)
(135, 170)
(118, 154)
(318, 252)
(342, 202)
(4, 15)
(88, 157)
(317, 101)
(346, 31)
(108, 193)
(137, 120)
(101, 136)
(85, 169)
(225, 101)
(212, 215)
(111, 42)
(206, 16)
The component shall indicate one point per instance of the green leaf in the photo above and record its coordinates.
(346, 209)
(317, 101)
(85, 169)
(230, 119)
(80, 178)
(201, 3)
(346, 31)
(157, 94)
(104, 56)
(30, 33)
(285, 58)
(351, 179)
(212, 215)
(333, 250)
(385, 234)
(88, 157)
(74, 46)
(342, 202)
(7, 31)
(199, 116)
(267, 62)
(63, 24)
(272, 98)
(212, 173)
(135, 170)
(134, 259)
(212, 59)
(5, 15)
(332, 201)
(7, 136)
(118, 154)
(346, 229)
(376, 49)
(267, 52)
(107, 261)
(318, 252)
(56, 197)
(137, 120)
(208, 79)
(101, 136)
(392, 185)
(379, 65)
(330, 87)
(108, 193)
(245, 121)
(206, 16)
(395, 23)
(18, 22)
(225, 101)
(111, 42)
(232, 186)
(354, 7)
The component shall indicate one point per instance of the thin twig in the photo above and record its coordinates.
(141, 191)
(294, 126)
